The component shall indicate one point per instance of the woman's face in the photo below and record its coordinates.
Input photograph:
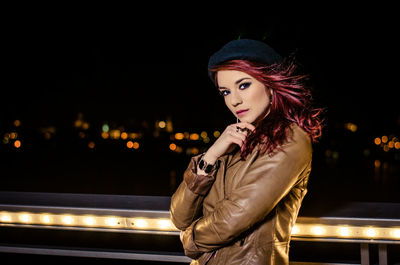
(243, 92)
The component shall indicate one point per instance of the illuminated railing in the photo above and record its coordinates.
(305, 228)
(150, 215)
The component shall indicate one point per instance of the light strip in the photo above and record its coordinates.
(164, 224)
(97, 221)
(344, 231)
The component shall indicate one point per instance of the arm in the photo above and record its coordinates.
(187, 201)
(268, 180)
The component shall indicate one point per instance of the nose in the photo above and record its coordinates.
(235, 99)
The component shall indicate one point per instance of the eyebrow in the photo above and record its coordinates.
(237, 82)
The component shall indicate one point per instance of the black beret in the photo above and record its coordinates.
(244, 49)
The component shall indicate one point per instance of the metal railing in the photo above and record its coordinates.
(371, 225)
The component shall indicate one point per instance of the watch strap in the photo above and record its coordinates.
(203, 165)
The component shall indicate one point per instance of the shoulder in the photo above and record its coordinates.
(298, 135)
(298, 142)
(297, 145)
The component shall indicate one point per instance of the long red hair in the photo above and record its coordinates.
(291, 102)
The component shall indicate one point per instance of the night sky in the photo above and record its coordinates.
(122, 67)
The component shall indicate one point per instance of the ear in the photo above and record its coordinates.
(271, 92)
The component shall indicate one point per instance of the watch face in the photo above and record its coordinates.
(208, 169)
(201, 164)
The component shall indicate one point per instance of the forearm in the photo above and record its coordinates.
(186, 202)
(185, 207)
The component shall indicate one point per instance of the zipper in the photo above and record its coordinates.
(213, 255)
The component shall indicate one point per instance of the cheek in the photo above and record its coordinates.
(227, 104)
(259, 97)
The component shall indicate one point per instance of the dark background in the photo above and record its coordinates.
(130, 71)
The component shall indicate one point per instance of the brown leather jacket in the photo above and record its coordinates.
(243, 211)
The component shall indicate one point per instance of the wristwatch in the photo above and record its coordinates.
(203, 165)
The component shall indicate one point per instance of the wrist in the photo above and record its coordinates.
(206, 164)
(210, 158)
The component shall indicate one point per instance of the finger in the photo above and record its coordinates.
(250, 126)
(238, 138)
(240, 134)
(237, 129)
(241, 131)
(238, 142)
(246, 125)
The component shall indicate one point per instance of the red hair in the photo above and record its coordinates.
(291, 102)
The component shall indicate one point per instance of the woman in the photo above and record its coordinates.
(240, 199)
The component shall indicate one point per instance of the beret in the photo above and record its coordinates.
(244, 49)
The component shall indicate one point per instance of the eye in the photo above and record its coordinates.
(244, 85)
(223, 92)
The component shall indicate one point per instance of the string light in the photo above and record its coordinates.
(68, 220)
(46, 219)
(25, 218)
(317, 230)
(112, 221)
(396, 233)
(370, 232)
(295, 230)
(5, 218)
(344, 231)
(144, 224)
(89, 220)
(164, 223)
(140, 223)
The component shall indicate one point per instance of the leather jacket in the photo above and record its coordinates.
(244, 210)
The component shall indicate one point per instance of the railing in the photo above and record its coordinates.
(143, 224)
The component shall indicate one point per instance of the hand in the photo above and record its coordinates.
(231, 137)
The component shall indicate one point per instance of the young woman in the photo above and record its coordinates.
(240, 199)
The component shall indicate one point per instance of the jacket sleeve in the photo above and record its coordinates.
(267, 181)
(187, 201)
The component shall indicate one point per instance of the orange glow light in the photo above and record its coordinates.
(17, 144)
(17, 123)
(377, 141)
(195, 150)
(135, 145)
(194, 136)
(129, 144)
(124, 135)
(105, 135)
(172, 146)
(13, 135)
(179, 136)
(386, 148)
(91, 145)
(397, 145)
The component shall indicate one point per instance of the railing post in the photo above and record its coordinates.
(382, 250)
(364, 254)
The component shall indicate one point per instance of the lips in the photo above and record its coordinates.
(241, 112)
